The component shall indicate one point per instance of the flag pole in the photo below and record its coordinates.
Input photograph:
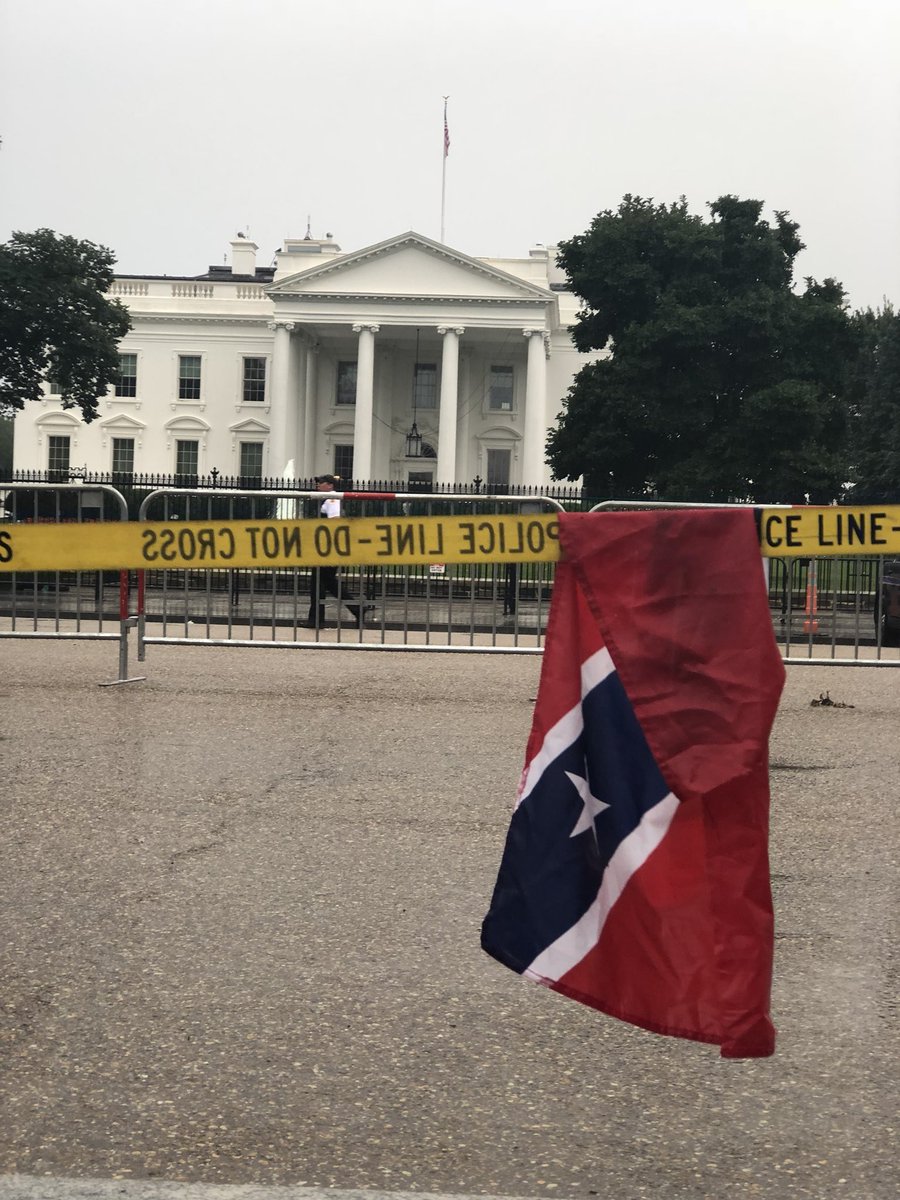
(444, 167)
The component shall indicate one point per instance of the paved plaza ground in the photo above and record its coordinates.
(239, 942)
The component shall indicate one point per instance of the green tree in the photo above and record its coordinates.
(875, 427)
(720, 382)
(56, 322)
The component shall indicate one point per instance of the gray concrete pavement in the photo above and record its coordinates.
(239, 918)
(31, 1187)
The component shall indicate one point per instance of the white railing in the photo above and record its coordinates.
(193, 291)
(188, 289)
(124, 287)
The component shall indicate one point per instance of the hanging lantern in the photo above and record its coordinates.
(414, 442)
(414, 438)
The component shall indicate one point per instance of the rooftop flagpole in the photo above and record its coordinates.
(444, 167)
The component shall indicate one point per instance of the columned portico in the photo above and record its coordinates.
(365, 401)
(491, 399)
(279, 450)
(449, 403)
(535, 407)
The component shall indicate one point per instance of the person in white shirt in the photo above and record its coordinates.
(324, 580)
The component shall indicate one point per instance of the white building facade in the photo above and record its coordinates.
(406, 362)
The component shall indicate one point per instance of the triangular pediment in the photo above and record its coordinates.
(251, 425)
(123, 421)
(409, 266)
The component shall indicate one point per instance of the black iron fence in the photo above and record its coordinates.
(135, 486)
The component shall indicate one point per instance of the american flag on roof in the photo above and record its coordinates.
(446, 132)
(635, 873)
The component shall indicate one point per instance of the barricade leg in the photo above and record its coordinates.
(126, 623)
(811, 608)
(141, 593)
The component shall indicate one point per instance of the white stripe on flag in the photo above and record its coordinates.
(570, 948)
(560, 736)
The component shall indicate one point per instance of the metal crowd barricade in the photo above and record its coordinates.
(482, 607)
(826, 611)
(66, 605)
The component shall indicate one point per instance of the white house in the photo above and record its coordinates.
(406, 361)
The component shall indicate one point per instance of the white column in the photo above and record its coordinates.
(446, 456)
(298, 402)
(279, 451)
(463, 447)
(535, 408)
(289, 469)
(311, 413)
(365, 402)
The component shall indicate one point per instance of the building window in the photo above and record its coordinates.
(188, 376)
(343, 460)
(346, 383)
(53, 387)
(500, 389)
(251, 461)
(254, 386)
(58, 453)
(187, 457)
(425, 385)
(498, 467)
(126, 380)
(123, 456)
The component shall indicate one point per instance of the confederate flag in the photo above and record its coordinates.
(635, 876)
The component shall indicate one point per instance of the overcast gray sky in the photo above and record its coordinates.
(162, 127)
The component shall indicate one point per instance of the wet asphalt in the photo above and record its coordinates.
(239, 942)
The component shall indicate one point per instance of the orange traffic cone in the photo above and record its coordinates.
(810, 621)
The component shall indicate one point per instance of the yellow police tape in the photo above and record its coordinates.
(784, 532)
(829, 532)
(335, 542)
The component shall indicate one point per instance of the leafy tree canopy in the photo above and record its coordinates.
(719, 381)
(875, 440)
(56, 322)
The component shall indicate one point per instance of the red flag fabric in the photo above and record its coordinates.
(635, 874)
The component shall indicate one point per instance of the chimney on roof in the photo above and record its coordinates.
(243, 256)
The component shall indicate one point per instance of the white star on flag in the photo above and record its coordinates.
(592, 806)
